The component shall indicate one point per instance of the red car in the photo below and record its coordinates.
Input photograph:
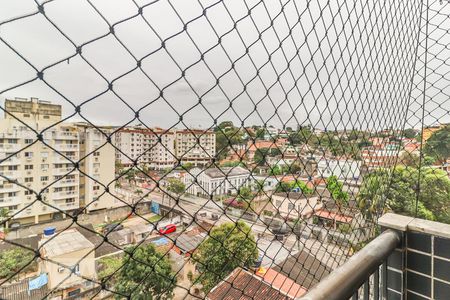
(168, 229)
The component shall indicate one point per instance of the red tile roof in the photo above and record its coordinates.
(243, 285)
(281, 282)
(333, 216)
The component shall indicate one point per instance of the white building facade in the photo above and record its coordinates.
(152, 148)
(213, 181)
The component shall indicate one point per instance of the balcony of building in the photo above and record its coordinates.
(410, 259)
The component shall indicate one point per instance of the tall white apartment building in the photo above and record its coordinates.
(152, 148)
(31, 159)
(47, 169)
(195, 146)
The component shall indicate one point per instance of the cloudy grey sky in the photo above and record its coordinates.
(303, 65)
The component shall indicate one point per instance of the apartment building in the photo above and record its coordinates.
(152, 148)
(97, 159)
(42, 167)
(160, 149)
(48, 168)
(195, 146)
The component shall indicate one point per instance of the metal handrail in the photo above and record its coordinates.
(345, 281)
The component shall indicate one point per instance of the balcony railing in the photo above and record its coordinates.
(66, 147)
(65, 136)
(362, 269)
(404, 262)
(64, 195)
(9, 147)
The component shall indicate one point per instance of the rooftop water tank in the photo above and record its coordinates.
(49, 231)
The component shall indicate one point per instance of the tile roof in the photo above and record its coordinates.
(243, 285)
(303, 268)
(281, 282)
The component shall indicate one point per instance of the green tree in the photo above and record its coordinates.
(187, 166)
(4, 214)
(245, 193)
(118, 167)
(228, 246)
(275, 170)
(410, 133)
(226, 136)
(108, 268)
(130, 176)
(335, 188)
(176, 186)
(397, 190)
(438, 145)
(13, 260)
(258, 187)
(261, 155)
(287, 187)
(409, 159)
(295, 168)
(146, 274)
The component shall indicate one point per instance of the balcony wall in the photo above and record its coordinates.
(420, 267)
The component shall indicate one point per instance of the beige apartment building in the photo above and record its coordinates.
(97, 163)
(41, 154)
(195, 146)
(35, 164)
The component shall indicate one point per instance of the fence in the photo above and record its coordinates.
(319, 116)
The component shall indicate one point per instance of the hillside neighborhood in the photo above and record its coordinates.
(87, 197)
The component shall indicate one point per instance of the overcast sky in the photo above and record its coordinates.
(317, 73)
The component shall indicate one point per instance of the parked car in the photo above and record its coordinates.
(168, 229)
(112, 227)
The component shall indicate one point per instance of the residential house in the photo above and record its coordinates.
(69, 260)
(342, 168)
(262, 284)
(295, 205)
(214, 181)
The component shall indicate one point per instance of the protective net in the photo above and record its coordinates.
(213, 149)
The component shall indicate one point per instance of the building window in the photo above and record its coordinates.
(28, 167)
(28, 141)
(44, 178)
(44, 167)
(28, 154)
(27, 192)
(46, 117)
(28, 179)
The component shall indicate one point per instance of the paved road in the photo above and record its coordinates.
(330, 254)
